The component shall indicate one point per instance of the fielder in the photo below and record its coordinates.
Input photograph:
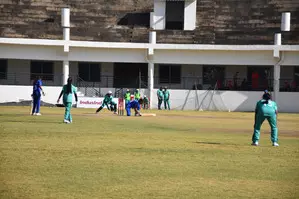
(108, 101)
(67, 91)
(166, 96)
(36, 95)
(133, 104)
(160, 97)
(145, 102)
(265, 109)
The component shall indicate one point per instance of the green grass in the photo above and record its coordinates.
(174, 155)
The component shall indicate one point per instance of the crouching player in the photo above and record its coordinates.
(266, 109)
(108, 101)
(133, 104)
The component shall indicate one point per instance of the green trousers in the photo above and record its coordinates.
(67, 113)
(257, 127)
(166, 104)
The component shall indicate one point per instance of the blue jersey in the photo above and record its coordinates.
(133, 104)
(36, 87)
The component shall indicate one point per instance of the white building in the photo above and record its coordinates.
(99, 66)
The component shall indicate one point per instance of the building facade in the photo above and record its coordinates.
(184, 44)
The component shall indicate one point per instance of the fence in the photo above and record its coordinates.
(92, 88)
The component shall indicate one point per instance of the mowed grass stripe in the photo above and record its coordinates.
(108, 156)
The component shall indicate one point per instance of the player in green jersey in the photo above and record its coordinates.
(108, 101)
(166, 96)
(265, 109)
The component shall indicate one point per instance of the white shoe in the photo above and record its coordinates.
(38, 114)
(33, 113)
(275, 144)
(255, 144)
(66, 121)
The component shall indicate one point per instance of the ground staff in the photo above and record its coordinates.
(137, 94)
(127, 97)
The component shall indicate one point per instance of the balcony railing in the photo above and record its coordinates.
(189, 83)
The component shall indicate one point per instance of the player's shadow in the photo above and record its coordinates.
(208, 143)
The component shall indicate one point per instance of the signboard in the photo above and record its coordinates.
(92, 102)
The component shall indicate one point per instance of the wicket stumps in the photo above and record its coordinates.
(121, 107)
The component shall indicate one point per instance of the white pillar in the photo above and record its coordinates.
(151, 68)
(65, 23)
(277, 39)
(276, 84)
(286, 21)
(65, 72)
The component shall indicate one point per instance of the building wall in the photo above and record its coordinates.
(180, 99)
(217, 21)
(19, 74)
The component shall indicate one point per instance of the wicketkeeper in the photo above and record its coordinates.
(108, 101)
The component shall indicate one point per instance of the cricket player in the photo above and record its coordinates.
(137, 94)
(127, 97)
(166, 96)
(265, 109)
(133, 104)
(160, 97)
(108, 100)
(68, 91)
(145, 102)
(36, 95)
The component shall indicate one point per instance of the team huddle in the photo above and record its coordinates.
(265, 109)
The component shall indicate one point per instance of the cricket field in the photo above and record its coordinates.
(175, 155)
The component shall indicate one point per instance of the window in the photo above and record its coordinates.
(212, 74)
(43, 69)
(3, 69)
(297, 75)
(135, 19)
(175, 15)
(90, 72)
(169, 74)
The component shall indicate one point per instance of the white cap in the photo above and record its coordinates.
(144, 96)
(109, 92)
